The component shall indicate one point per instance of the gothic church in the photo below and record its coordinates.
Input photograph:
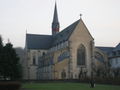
(68, 54)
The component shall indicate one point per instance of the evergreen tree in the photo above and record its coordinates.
(1, 44)
(10, 67)
(1, 56)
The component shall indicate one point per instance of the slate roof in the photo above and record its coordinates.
(109, 49)
(106, 49)
(55, 17)
(117, 47)
(64, 34)
(34, 41)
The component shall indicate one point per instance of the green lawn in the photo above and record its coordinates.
(67, 86)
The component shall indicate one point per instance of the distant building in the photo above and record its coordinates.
(113, 54)
(114, 57)
(69, 54)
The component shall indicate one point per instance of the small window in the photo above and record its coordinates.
(118, 52)
(43, 53)
(61, 35)
(114, 53)
(34, 60)
(116, 61)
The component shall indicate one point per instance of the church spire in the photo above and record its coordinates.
(55, 23)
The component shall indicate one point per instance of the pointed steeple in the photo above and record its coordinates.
(55, 17)
(55, 23)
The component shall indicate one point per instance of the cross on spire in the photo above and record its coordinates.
(80, 15)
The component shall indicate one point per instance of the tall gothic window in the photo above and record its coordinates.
(81, 55)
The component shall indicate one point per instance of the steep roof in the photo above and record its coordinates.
(35, 41)
(55, 23)
(64, 34)
(55, 17)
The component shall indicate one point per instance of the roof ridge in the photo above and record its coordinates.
(105, 46)
(65, 33)
(65, 29)
(117, 45)
(38, 34)
(70, 25)
(34, 41)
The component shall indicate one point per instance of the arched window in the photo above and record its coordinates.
(81, 55)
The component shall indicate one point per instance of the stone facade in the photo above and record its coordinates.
(69, 54)
(32, 57)
(60, 62)
(114, 57)
(82, 36)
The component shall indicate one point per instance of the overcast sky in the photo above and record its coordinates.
(102, 18)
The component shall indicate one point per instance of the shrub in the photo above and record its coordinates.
(10, 85)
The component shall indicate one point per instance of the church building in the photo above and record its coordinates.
(68, 54)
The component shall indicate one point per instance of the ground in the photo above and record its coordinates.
(67, 86)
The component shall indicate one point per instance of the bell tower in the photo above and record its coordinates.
(55, 23)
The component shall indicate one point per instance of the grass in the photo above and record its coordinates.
(67, 86)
